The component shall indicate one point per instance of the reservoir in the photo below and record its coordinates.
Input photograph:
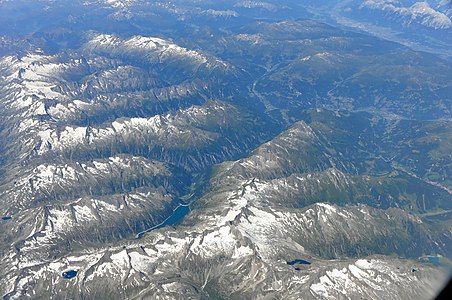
(175, 218)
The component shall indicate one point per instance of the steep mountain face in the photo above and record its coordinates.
(227, 150)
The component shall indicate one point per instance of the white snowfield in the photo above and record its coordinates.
(152, 49)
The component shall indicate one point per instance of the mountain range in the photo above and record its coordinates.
(225, 150)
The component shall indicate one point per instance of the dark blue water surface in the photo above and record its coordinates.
(6, 218)
(69, 274)
(178, 214)
(298, 261)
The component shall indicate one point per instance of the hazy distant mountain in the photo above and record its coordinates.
(421, 25)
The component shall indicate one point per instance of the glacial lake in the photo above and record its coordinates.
(298, 261)
(69, 274)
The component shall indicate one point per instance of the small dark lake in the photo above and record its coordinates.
(6, 218)
(298, 261)
(178, 214)
(69, 274)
